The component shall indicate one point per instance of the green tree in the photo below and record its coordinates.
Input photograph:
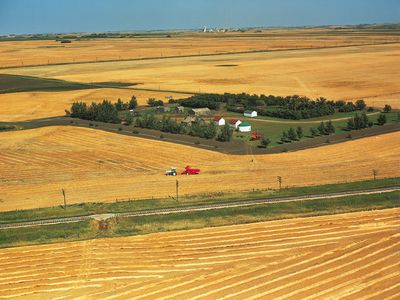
(265, 142)
(226, 134)
(360, 104)
(284, 137)
(329, 127)
(299, 131)
(292, 135)
(120, 105)
(350, 124)
(128, 118)
(387, 108)
(313, 132)
(382, 119)
(321, 128)
(132, 103)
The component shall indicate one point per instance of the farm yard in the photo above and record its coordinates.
(93, 165)
(347, 256)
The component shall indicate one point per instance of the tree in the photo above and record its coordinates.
(398, 116)
(387, 108)
(375, 173)
(132, 103)
(321, 128)
(313, 131)
(153, 102)
(284, 137)
(120, 105)
(292, 135)
(350, 124)
(265, 142)
(299, 131)
(382, 119)
(329, 127)
(226, 134)
(128, 118)
(360, 104)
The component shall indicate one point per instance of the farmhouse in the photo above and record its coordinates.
(199, 111)
(234, 123)
(244, 127)
(250, 113)
(219, 121)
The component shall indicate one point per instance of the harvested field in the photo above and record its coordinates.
(349, 256)
(23, 53)
(36, 105)
(93, 165)
(368, 72)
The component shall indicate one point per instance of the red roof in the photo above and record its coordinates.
(233, 121)
(217, 118)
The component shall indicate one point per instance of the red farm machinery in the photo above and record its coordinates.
(255, 136)
(190, 171)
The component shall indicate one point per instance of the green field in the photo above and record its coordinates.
(190, 220)
(272, 128)
(83, 209)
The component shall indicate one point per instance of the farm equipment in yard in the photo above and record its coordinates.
(190, 171)
(255, 136)
(171, 172)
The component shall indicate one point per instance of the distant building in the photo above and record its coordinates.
(219, 121)
(250, 113)
(244, 127)
(163, 109)
(190, 120)
(234, 123)
(199, 111)
(179, 110)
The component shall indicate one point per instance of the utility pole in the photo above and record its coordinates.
(280, 182)
(375, 173)
(65, 200)
(177, 190)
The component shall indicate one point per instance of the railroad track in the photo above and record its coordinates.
(195, 208)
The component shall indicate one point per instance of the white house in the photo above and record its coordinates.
(234, 123)
(250, 113)
(219, 121)
(244, 127)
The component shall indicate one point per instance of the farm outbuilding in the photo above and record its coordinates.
(244, 127)
(234, 123)
(163, 109)
(219, 121)
(190, 120)
(204, 111)
(250, 113)
(179, 110)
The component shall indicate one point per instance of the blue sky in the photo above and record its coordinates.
(43, 16)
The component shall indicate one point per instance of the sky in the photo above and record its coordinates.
(57, 16)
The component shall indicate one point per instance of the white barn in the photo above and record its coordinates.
(219, 121)
(250, 113)
(244, 127)
(234, 123)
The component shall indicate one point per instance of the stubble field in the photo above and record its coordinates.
(24, 53)
(349, 256)
(92, 165)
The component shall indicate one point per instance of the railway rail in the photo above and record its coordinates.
(195, 208)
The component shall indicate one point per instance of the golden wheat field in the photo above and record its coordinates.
(348, 256)
(23, 53)
(351, 73)
(93, 165)
(37, 105)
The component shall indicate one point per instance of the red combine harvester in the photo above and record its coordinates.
(255, 136)
(190, 171)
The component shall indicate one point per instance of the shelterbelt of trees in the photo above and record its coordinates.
(290, 107)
